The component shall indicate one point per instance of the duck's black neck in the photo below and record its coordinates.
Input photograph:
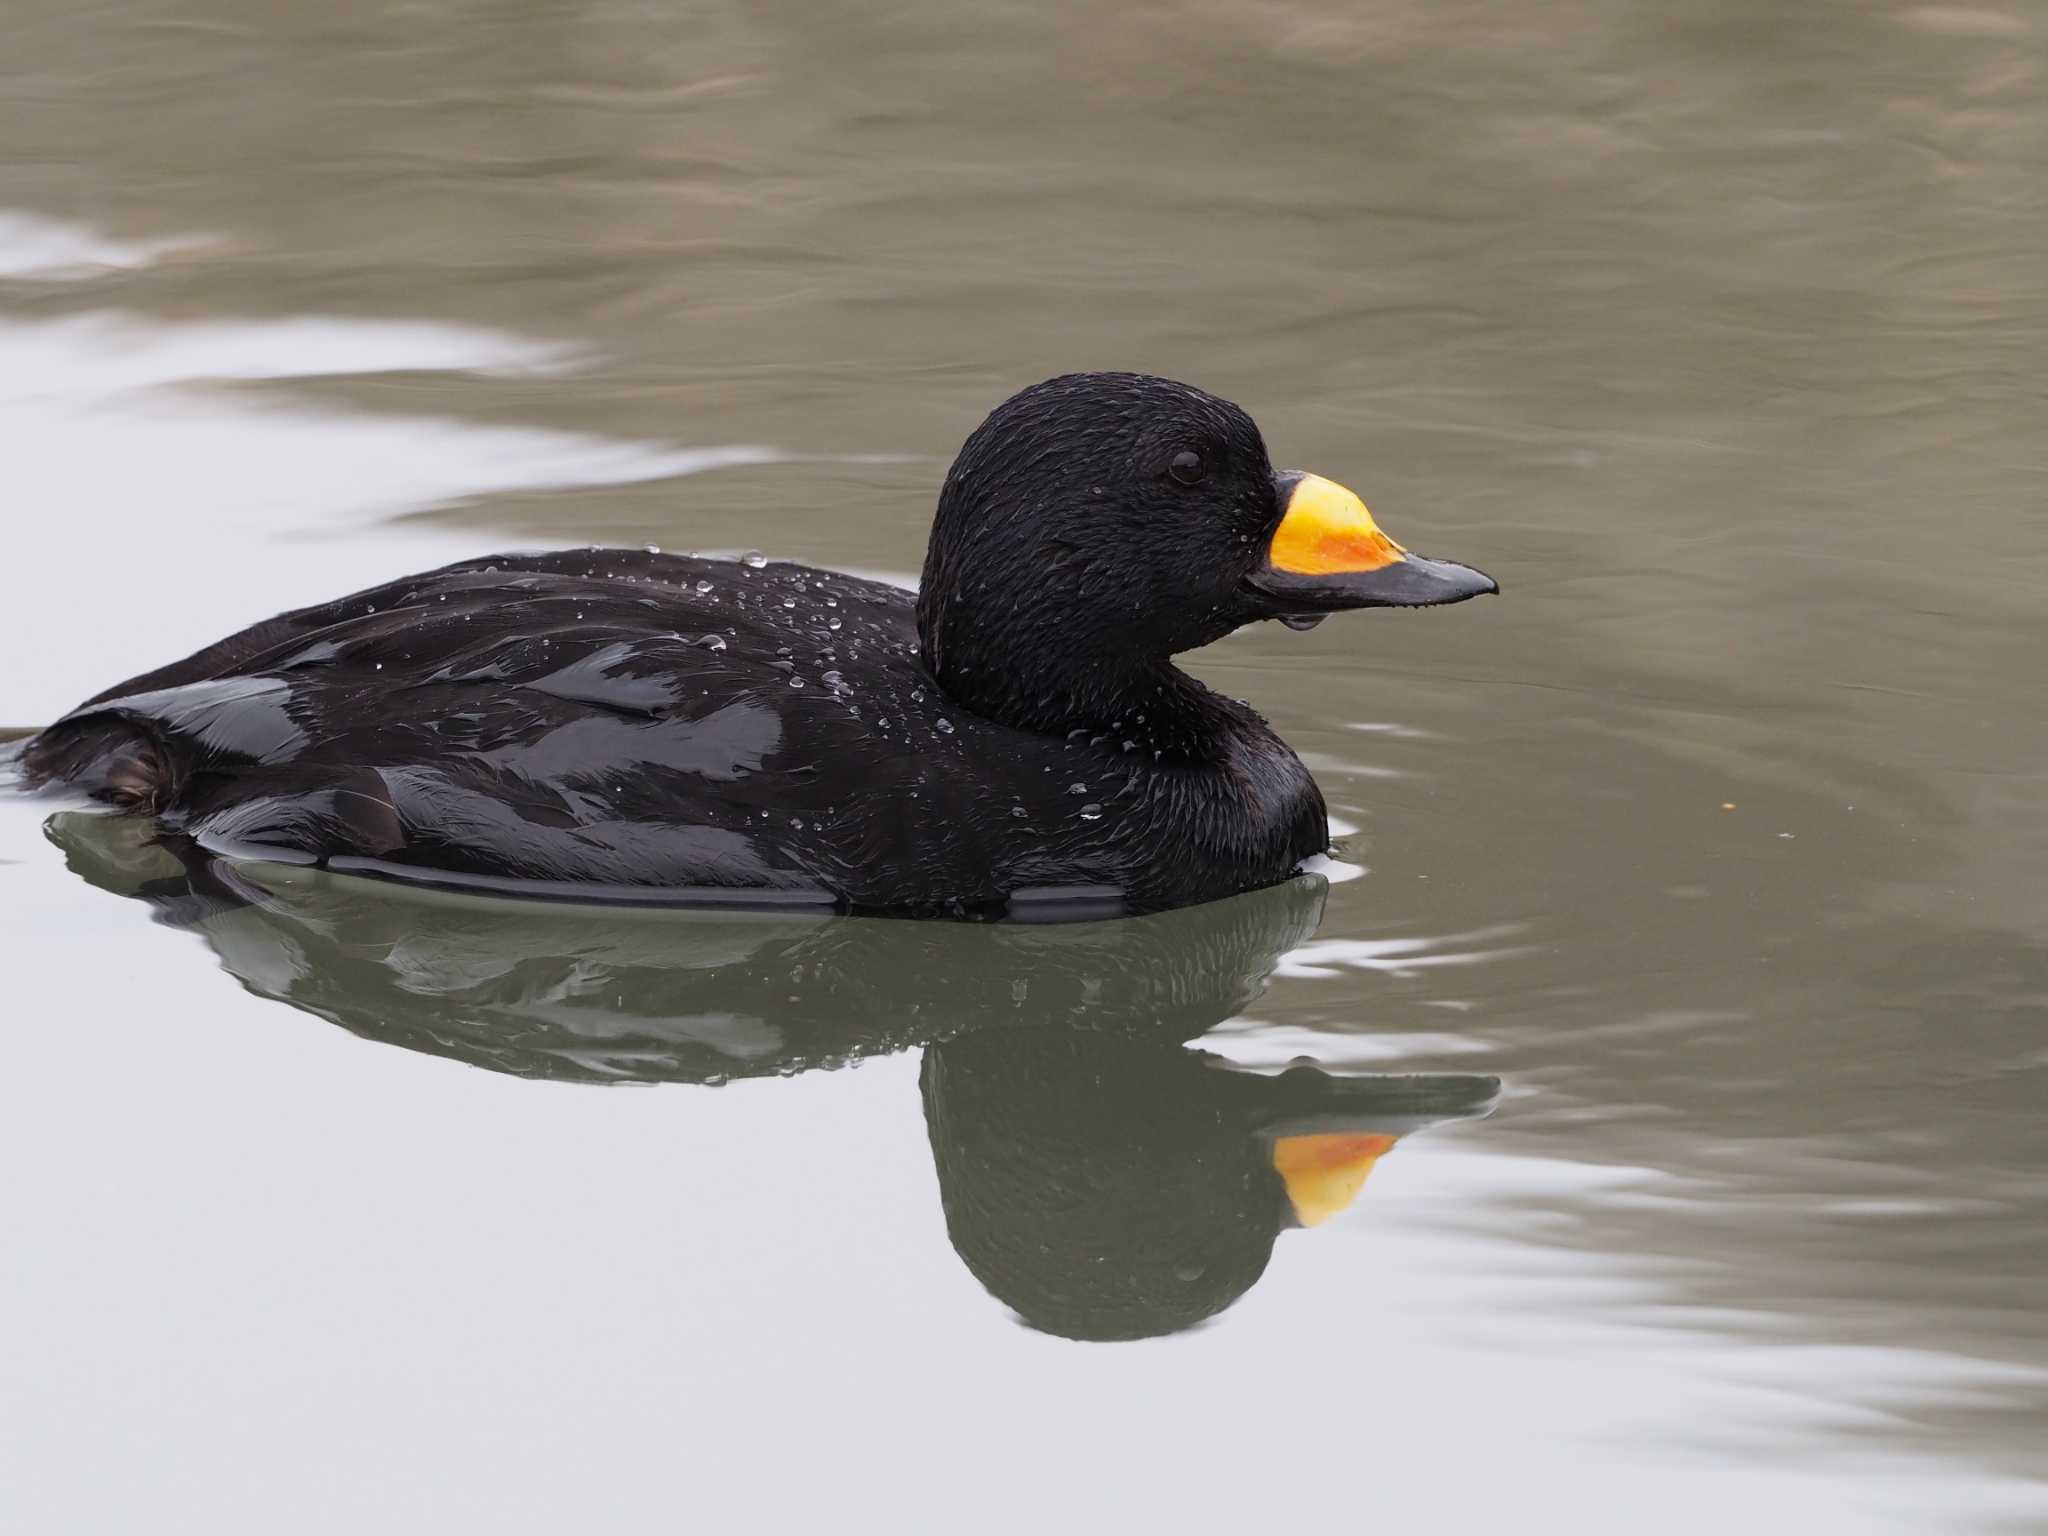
(1137, 703)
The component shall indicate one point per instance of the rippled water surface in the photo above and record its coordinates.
(1690, 1012)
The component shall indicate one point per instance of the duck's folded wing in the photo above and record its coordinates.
(479, 725)
(644, 763)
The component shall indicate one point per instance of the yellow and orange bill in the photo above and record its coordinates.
(1328, 554)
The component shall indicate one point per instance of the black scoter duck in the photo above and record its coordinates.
(631, 725)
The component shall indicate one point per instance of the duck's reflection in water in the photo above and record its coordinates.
(1099, 1177)
(1113, 1185)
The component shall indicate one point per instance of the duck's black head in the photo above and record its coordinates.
(1099, 523)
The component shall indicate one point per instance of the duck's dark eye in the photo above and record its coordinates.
(1187, 466)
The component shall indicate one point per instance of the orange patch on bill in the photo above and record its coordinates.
(1327, 530)
(1324, 1173)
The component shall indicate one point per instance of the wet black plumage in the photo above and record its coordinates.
(648, 726)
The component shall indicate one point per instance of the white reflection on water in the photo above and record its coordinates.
(1405, 957)
(1389, 728)
(106, 353)
(1257, 1045)
(124, 437)
(1324, 762)
(1335, 870)
(37, 248)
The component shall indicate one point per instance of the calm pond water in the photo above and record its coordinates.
(1698, 965)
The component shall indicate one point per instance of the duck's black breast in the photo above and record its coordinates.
(662, 726)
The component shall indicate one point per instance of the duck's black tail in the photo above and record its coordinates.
(111, 759)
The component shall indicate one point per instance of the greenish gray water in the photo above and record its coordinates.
(1717, 332)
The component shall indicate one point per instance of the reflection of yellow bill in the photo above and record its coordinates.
(1324, 1174)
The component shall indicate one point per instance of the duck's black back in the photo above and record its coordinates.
(663, 727)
